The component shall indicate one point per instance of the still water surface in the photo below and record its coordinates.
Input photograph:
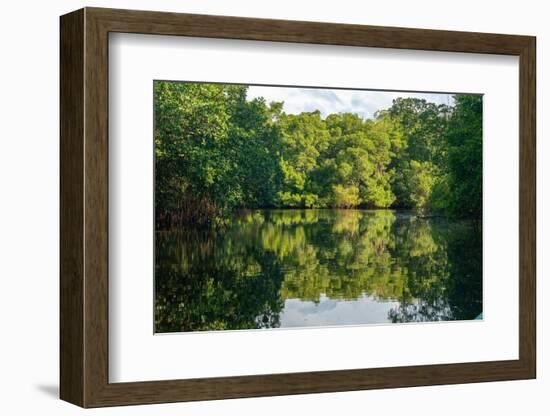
(300, 268)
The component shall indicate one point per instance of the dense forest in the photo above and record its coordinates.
(216, 152)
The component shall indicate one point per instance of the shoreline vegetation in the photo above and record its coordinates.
(216, 152)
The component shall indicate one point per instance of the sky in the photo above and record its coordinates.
(329, 101)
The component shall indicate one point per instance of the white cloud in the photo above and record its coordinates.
(328, 101)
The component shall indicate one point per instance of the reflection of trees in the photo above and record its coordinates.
(351, 249)
(449, 285)
(203, 285)
(241, 277)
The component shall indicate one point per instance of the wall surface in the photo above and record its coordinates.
(29, 167)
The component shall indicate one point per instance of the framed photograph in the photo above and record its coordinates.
(257, 207)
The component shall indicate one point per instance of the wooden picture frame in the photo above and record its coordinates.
(84, 207)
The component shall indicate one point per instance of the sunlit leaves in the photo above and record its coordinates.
(216, 151)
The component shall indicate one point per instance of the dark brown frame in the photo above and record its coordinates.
(84, 210)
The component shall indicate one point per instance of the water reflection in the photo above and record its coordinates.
(293, 268)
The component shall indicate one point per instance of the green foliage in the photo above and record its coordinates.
(216, 151)
(441, 194)
(440, 167)
(420, 183)
(345, 197)
(423, 159)
(465, 156)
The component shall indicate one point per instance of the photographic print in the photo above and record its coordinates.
(293, 207)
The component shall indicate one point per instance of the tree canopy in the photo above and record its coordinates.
(216, 151)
